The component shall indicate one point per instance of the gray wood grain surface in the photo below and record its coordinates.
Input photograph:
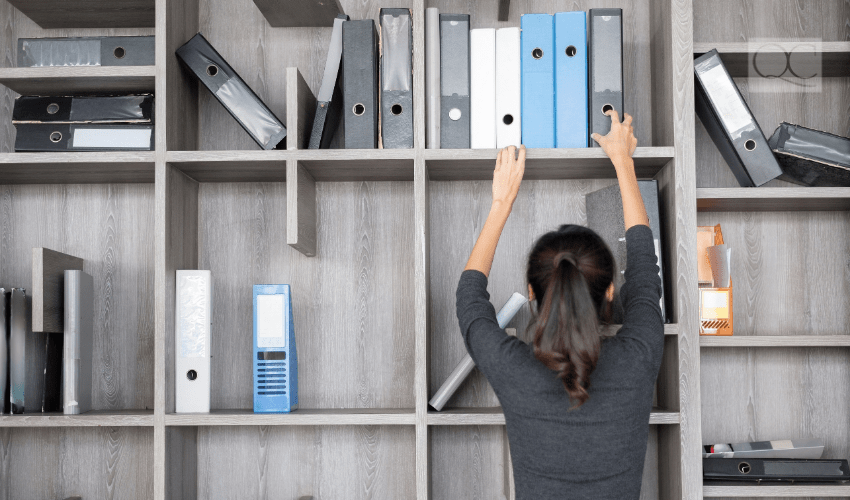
(77, 168)
(784, 199)
(300, 209)
(70, 80)
(48, 288)
(283, 14)
(52, 14)
(94, 418)
(741, 58)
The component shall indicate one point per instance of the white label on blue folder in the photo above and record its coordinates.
(139, 138)
(271, 320)
(724, 96)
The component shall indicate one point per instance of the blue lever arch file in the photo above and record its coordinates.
(275, 357)
(570, 80)
(537, 63)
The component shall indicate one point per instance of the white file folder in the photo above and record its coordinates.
(508, 102)
(192, 341)
(482, 48)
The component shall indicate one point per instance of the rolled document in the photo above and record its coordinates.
(464, 368)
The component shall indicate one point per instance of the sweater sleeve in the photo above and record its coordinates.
(484, 340)
(641, 293)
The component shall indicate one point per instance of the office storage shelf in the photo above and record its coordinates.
(790, 491)
(69, 80)
(77, 168)
(738, 56)
(56, 14)
(300, 417)
(494, 416)
(775, 341)
(95, 418)
(773, 199)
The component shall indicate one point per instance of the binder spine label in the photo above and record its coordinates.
(86, 51)
(538, 81)
(360, 84)
(396, 78)
(454, 81)
(570, 80)
(605, 68)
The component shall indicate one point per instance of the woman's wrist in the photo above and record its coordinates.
(501, 208)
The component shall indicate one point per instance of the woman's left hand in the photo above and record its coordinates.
(507, 176)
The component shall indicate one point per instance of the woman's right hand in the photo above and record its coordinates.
(620, 142)
(507, 176)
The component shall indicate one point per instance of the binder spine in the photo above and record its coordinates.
(329, 100)
(538, 80)
(604, 68)
(34, 137)
(18, 362)
(102, 109)
(275, 356)
(432, 77)
(77, 358)
(482, 50)
(232, 92)
(571, 80)
(508, 102)
(454, 81)
(86, 51)
(360, 84)
(4, 351)
(193, 317)
(396, 78)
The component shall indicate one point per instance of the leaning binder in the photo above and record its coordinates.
(811, 157)
(730, 124)
(233, 93)
(77, 355)
(329, 100)
(360, 84)
(604, 68)
(774, 470)
(86, 51)
(192, 341)
(84, 109)
(482, 107)
(37, 137)
(570, 80)
(4, 351)
(454, 81)
(508, 101)
(538, 80)
(396, 78)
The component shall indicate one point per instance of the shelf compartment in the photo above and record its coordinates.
(790, 491)
(494, 416)
(66, 80)
(776, 341)
(358, 164)
(835, 56)
(97, 418)
(54, 14)
(542, 164)
(354, 416)
(231, 166)
(773, 199)
(77, 168)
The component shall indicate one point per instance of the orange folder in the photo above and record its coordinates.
(715, 304)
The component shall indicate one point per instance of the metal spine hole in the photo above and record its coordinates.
(606, 108)
(571, 51)
(396, 109)
(56, 136)
(212, 70)
(537, 53)
(191, 374)
(119, 52)
(507, 119)
(750, 144)
(52, 108)
(359, 109)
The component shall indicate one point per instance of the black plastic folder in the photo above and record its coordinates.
(105, 109)
(454, 81)
(46, 137)
(87, 51)
(396, 78)
(360, 84)
(730, 124)
(329, 100)
(774, 470)
(604, 68)
(811, 157)
(233, 93)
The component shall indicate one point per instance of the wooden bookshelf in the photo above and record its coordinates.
(790, 491)
(96, 418)
(82, 79)
(738, 56)
(776, 341)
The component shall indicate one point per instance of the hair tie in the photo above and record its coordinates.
(565, 256)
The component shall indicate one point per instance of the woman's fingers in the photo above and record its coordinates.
(615, 117)
(627, 119)
(596, 137)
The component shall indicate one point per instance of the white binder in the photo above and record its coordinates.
(192, 342)
(508, 103)
(482, 48)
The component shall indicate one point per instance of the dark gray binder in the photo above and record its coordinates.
(87, 51)
(36, 137)
(329, 100)
(774, 470)
(604, 68)
(811, 157)
(26, 357)
(360, 84)
(90, 109)
(605, 216)
(4, 351)
(232, 92)
(730, 124)
(454, 81)
(396, 78)
(77, 355)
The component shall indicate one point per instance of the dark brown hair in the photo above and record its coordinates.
(569, 271)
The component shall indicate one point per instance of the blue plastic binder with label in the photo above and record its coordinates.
(275, 358)
(537, 61)
(570, 80)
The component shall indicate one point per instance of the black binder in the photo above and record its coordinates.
(232, 92)
(87, 51)
(811, 157)
(45, 137)
(604, 210)
(772, 470)
(99, 109)
(604, 68)
(396, 78)
(454, 81)
(360, 84)
(730, 124)
(53, 352)
(329, 100)
(4, 351)
(26, 357)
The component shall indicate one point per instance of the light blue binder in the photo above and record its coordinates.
(570, 80)
(538, 80)
(275, 358)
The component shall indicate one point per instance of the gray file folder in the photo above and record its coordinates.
(604, 68)
(432, 77)
(4, 351)
(77, 356)
(329, 100)
(454, 81)
(86, 51)
(26, 357)
(360, 84)
(396, 78)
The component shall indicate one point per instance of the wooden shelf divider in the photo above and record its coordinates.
(118, 418)
(775, 341)
(773, 199)
(69, 80)
(789, 491)
(736, 56)
(301, 417)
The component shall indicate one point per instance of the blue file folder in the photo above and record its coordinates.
(570, 80)
(275, 359)
(538, 81)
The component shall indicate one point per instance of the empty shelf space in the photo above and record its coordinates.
(231, 166)
(97, 418)
(797, 490)
(353, 416)
(736, 56)
(58, 14)
(77, 168)
(494, 416)
(66, 80)
(575, 163)
(777, 199)
(776, 341)
(358, 164)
